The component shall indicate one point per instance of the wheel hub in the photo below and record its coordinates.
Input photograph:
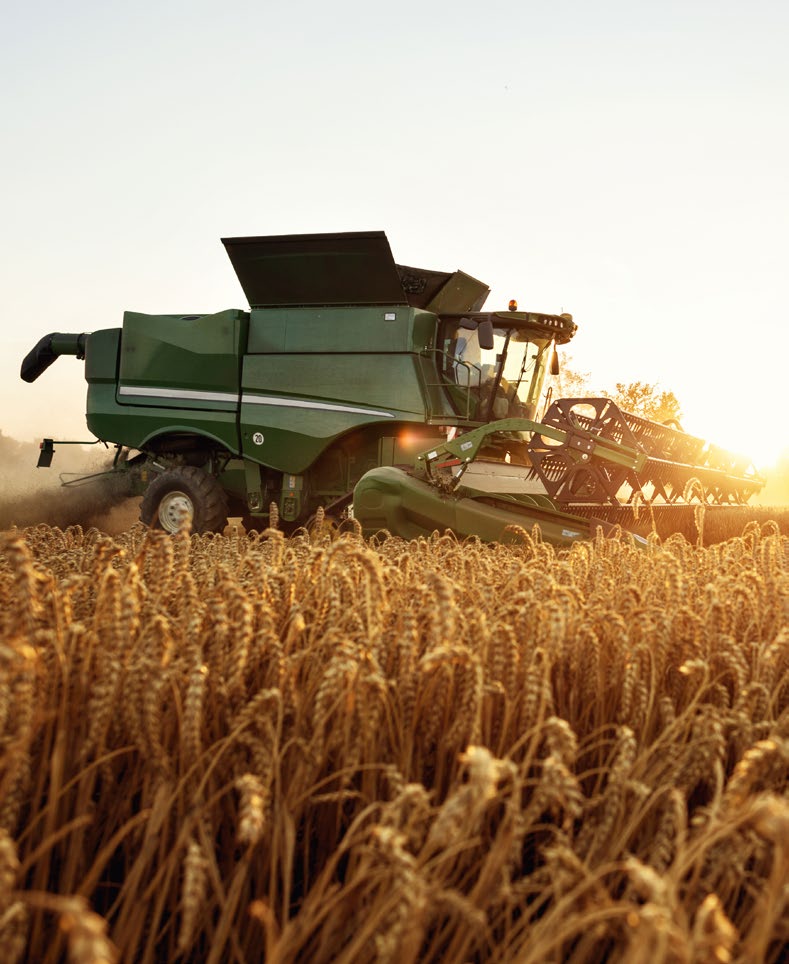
(175, 509)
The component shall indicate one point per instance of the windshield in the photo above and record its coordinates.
(502, 382)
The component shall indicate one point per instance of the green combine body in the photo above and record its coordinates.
(352, 373)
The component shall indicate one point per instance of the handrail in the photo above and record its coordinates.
(449, 384)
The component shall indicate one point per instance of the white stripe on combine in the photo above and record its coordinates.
(303, 403)
(177, 393)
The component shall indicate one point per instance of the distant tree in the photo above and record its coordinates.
(570, 382)
(646, 400)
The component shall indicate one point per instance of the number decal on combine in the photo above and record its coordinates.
(257, 438)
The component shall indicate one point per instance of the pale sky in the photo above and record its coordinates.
(624, 161)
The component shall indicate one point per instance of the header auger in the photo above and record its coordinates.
(359, 385)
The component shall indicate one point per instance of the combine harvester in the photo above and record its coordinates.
(359, 385)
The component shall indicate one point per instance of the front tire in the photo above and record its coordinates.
(184, 493)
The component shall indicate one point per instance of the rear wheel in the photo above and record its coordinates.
(181, 494)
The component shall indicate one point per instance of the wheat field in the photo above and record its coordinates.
(248, 747)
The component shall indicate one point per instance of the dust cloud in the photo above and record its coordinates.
(29, 495)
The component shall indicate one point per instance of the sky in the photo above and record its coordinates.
(624, 161)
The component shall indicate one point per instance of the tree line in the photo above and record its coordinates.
(646, 399)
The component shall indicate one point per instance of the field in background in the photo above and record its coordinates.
(429, 751)
(719, 523)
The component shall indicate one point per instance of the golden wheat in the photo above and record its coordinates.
(246, 746)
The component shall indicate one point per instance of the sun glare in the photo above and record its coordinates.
(744, 433)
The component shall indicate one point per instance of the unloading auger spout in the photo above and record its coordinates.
(47, 349)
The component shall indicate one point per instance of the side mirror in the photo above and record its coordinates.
(554, 361)
(485, 334)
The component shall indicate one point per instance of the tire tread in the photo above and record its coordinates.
(207, 495)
